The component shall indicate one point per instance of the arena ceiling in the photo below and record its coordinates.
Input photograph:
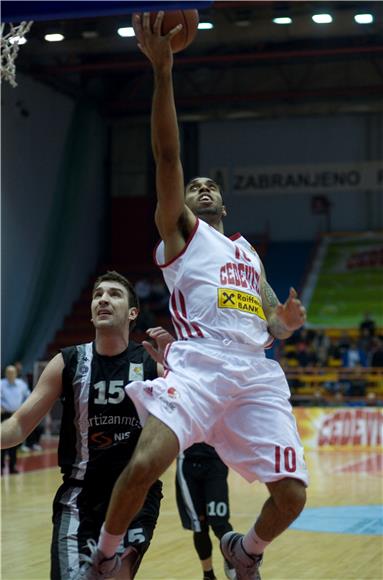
(245, 66)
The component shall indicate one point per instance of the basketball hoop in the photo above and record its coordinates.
(10, 44)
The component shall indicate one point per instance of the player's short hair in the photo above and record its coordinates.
(113, 276)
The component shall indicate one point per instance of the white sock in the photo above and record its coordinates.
(108, 543)
(253, 544)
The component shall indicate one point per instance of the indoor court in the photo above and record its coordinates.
(338, 537)
(281, 106)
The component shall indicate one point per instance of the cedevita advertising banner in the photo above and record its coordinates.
(340, 428)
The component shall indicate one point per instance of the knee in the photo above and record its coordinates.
(289, 496)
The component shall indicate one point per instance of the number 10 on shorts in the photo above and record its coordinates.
(286, 458)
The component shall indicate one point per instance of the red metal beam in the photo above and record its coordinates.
(109, 66)
(134, 105)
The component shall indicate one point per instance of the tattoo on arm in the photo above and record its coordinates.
(270, 302)
(269, 295)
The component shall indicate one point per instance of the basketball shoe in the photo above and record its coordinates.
(96, 566)
(229, 572)
(245, 566)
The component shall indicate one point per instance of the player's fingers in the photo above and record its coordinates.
(292, 294)
(158, 23)
(151, 350)
(146, 22)
(174, 31)
(137, 27)
(153, 329)
(155, 332)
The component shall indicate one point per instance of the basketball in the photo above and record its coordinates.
(189, 20)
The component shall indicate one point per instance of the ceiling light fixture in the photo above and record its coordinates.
(205, 26)
(282, 20)
(54, 37)
(322, 18)
(89, 34)
(126, 31)
(17, 40)
(364, 18)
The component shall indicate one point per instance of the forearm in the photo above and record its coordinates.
(165, 134)
(270, 304)
(12, 433)
(277, 328)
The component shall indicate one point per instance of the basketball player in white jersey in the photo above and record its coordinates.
(218, 386)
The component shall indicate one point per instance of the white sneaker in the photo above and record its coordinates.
(37, 447)
(245, 566)
(24, 449)
(229, 572)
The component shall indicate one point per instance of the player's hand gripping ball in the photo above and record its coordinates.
(189, 20)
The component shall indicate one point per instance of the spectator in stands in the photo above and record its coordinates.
(368, 324)
(21, 375)
(334, 353)
(357, 384)
(305, 353)
(352, 356)
(13, 393)
(376, 359)
(365, 341)
(32, 442)
(321, 344)
(344, 341)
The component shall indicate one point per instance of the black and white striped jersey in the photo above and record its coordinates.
(100, 426)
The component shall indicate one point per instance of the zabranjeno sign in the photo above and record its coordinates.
(323, 178)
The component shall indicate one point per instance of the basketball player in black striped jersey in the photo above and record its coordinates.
(203, 501)
(99, 429)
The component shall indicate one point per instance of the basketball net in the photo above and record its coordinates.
(10, 44)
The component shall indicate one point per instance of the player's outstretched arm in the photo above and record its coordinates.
(282, 319)
(48, 389)
(171, 207)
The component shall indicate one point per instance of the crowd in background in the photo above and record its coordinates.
(318, 348)
(343, 361)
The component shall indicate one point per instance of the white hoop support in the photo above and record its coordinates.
(10, 44)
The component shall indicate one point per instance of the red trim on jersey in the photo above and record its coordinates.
(235, 237)
(184, 314)
(177, 327)
(177, 319)
(269, 344)
(180, 318)
(191, 236)
(166, 352)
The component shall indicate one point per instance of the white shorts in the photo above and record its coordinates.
(231, 397)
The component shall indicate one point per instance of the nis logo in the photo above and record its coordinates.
(103, 440)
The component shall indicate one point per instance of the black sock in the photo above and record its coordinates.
(209, 575)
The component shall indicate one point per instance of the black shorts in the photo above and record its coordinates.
(78, 514)
(202, 492)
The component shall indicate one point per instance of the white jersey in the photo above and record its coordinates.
(214, 286)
